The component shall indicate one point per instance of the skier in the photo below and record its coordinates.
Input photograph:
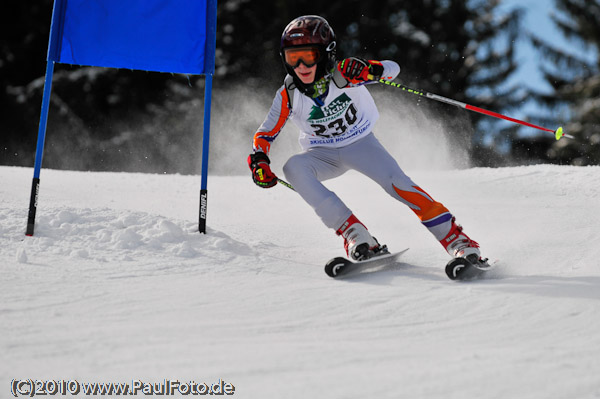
(335, 113)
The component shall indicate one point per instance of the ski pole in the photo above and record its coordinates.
(283, 182)
(558, 133)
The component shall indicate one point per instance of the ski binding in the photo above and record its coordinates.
(341, 266)
(469, 268)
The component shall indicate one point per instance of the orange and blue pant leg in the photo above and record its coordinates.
(306, 172)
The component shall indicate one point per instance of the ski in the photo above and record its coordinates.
(470, 268)
(341, 266)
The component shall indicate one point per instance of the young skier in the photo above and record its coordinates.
(335, 113)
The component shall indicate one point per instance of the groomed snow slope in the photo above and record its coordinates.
(117, 285)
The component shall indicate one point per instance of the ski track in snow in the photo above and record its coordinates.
(117, 285)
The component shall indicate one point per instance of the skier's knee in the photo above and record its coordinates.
(293, 168)
(287, 169)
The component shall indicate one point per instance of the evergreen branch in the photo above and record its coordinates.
(561, 58)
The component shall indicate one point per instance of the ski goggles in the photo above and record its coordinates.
(309, 56)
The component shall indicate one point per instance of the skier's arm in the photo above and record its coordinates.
(356, 71)
(259, 160)
(273, 123)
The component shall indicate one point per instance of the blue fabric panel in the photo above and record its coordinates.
(151, 35)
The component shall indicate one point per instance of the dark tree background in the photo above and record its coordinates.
(143, 121)
(458, 49)
(575, 81)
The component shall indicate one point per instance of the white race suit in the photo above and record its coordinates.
(336, 135)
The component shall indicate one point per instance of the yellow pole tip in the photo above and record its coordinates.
(558, 133)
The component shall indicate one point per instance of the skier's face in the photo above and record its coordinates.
(306, 74)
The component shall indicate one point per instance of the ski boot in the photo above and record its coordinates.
(467, 262)
(358, 242)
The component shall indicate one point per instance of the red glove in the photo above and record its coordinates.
(357, 70)
(261, 171)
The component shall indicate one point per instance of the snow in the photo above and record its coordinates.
(117, 285)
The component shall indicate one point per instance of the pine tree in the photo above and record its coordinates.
(459, 49)
(575, 80)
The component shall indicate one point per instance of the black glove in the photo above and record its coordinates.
(261, 171)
